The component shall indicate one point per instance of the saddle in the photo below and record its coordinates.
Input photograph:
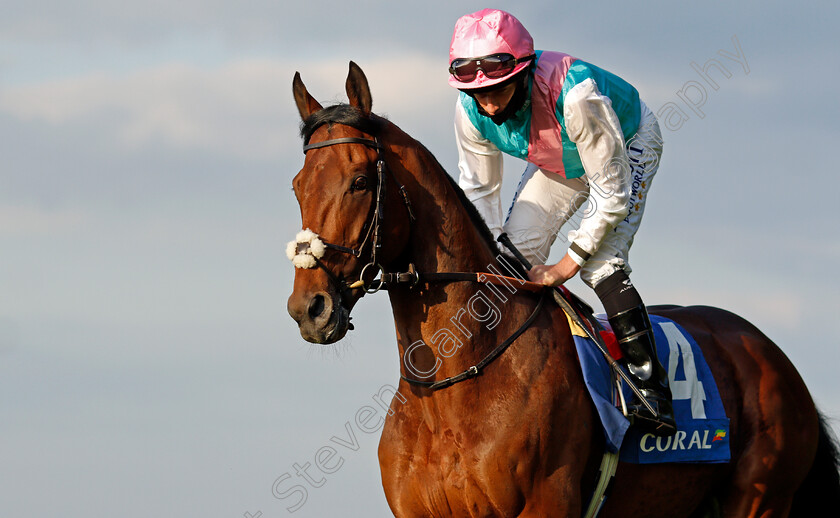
(596, 323)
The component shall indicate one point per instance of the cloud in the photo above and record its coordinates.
(413, 88)
(261, 23)
(233, 108)
(242, 109)
(29, 219)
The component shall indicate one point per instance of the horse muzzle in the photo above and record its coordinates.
(322, 318)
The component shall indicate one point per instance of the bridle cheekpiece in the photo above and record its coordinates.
(308, 248)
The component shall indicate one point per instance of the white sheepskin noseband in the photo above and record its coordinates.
(306, 247)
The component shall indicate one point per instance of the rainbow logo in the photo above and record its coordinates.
(719, 435)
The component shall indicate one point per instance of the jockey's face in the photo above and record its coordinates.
(495, 101)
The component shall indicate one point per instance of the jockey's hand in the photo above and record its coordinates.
(554, 275)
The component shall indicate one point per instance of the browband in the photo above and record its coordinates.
(346, 140)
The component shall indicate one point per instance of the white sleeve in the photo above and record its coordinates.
(480, 165)
(593, 126)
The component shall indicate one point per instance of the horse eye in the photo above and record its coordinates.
(360, 183)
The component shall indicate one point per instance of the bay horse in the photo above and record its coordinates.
(520, 437)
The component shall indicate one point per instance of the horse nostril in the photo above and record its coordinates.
(316, 306)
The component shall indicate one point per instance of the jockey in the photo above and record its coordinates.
(585, 134)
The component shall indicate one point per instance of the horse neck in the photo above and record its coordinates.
(445, 239)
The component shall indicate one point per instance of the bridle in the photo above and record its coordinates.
(374, 224)
(411, 277)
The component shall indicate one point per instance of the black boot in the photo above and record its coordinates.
(635, 338)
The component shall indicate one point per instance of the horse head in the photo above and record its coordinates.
(343, 199)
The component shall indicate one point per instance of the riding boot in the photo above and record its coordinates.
(634, 332)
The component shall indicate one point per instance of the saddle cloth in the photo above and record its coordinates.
(702, 426)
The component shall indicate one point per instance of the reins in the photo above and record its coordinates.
(475, 370)
(411, 277)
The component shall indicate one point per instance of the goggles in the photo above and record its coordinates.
(494, 66)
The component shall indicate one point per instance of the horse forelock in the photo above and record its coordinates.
(339, 114)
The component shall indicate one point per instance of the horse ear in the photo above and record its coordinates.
(306, 104)
(358, 90)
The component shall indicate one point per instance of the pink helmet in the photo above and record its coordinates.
(486, 32)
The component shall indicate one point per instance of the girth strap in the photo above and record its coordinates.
(609, 464)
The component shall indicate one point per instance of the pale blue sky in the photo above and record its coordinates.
(148, 366)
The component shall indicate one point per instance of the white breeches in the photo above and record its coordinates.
(545, 201)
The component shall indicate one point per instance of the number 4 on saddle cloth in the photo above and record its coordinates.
(702, 426)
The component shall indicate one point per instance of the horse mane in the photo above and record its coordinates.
(348, 115)
(339, 114)
(472, 212)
